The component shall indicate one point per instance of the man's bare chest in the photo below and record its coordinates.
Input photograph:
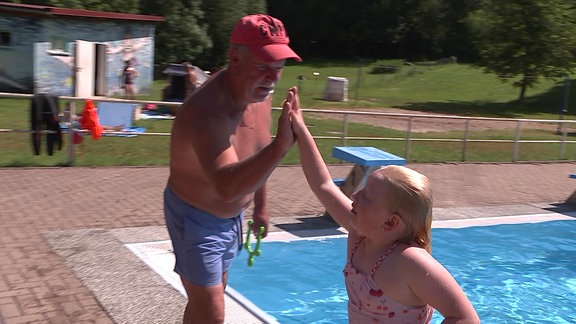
(247, 141)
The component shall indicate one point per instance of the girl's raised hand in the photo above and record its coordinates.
(292, 103)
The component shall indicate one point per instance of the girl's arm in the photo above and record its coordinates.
(334, 200)
(434, 285)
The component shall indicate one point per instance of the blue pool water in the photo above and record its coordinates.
(520, 273)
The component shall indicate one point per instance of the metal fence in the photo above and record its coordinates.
(408, 124)
(561, 128)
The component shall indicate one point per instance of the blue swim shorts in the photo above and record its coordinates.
(204, 245)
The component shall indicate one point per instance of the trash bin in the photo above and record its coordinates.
(336, 89)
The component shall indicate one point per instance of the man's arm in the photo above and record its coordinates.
(233, 178)
(260, 216)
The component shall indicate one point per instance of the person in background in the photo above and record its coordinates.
(221, 155)
(191, 79)
(129, 73)
(390, 274)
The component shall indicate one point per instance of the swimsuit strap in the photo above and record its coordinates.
(356, 245)
(382, 258)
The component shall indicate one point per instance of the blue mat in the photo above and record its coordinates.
(116, 114)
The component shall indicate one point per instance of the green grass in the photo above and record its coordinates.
(455, 89)
(426, 151)
(451, 88)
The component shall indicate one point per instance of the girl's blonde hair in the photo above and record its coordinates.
(411, 198)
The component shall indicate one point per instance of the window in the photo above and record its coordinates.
(5, 38)
(59, 46)
(58, 43)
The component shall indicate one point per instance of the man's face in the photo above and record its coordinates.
(261, 77)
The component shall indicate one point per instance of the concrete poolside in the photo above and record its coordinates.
(63, 230)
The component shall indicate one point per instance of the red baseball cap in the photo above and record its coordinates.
(265, 37)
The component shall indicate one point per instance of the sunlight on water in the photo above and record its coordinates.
(521, 273)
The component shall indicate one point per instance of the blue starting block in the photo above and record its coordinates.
(339, 181)
(366, 159)
(366, 156)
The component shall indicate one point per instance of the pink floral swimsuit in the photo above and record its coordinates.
(367, 303)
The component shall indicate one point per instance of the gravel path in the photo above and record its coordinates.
(431, 123)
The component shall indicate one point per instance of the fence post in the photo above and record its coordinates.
(564, 106)
(517, 141)
(465, 142)
(563, 142)
(344, 128)
(72, 109)
(408, 137)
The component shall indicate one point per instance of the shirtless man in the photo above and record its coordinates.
(221, 155)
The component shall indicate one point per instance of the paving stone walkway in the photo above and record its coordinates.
(38, 286)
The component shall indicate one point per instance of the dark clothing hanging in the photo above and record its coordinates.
(44, 112)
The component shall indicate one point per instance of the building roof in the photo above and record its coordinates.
(27, 9)
(175, 69)
(179, 70)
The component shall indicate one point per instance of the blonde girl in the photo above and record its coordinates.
(390, 274)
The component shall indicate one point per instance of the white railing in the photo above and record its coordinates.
(73, 100)
(560, 127)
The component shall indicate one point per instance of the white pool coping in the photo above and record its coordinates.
(453, 223)
(159, 257)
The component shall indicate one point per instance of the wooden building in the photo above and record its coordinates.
(73, 52)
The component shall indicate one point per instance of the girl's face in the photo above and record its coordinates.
(369, 208)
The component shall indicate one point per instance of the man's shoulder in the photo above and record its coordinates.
(203, 105)
(210, 93)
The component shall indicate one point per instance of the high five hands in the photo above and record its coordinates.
(292, 105)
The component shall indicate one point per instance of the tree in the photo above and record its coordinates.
(126, 6)
(458, 40)
(183, 35)
(409, 29)
(220, 17)
(529, 39)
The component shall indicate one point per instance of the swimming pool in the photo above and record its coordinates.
(512, 273)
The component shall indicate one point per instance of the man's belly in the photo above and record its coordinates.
(203, 197)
